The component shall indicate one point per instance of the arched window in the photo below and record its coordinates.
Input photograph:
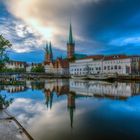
(115, 67)
(108, 67)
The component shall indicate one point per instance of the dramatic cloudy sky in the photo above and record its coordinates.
(99, 26)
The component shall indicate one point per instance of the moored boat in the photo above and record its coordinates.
(78, 77)
(102, 76)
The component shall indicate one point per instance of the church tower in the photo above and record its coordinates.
(70, 44)
(49, 54)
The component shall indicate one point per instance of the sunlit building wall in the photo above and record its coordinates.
(119, 64)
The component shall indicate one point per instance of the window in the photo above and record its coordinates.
(115, 67)
(104, 67)
(108, 67)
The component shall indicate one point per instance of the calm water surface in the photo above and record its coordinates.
(77, 110)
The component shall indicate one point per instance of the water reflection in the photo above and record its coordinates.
(105, 89)
(120, 90)
(73, 109)
(13, 88)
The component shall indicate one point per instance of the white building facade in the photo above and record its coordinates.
(118, 64)
(15, 65)
(49, 68)
(59, 66)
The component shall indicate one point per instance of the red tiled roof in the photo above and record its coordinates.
(46, 63)
(115, 57)
(64, 63)
(109, 57)
(95, 57)
(17, 62)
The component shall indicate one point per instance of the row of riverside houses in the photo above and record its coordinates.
(77, 64)
(114, 64)
(15, 65)
(19, 66)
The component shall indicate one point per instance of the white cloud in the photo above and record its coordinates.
(131, 40)
(20, 31)
(19, 49)
(29, 111)
(28, 44)
(22, 36)
(23, 30)
(48, 18)
(126, 41)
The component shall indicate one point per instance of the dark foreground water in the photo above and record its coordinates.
(77, 110)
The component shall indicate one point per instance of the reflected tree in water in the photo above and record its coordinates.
(4, 103)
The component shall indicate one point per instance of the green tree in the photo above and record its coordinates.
(4, 44)
(38, 68)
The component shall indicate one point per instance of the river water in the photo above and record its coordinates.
(76, 109)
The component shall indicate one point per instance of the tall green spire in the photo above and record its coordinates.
(50, 50)
(50, 47)
(51, 100)
(46, 48)
(70, 39)
(71, 116)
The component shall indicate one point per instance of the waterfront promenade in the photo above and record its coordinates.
(11, 129)
(8, 131)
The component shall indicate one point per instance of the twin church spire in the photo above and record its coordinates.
(49, 53)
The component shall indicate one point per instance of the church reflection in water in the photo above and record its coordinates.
(60, 88)
(77, 88)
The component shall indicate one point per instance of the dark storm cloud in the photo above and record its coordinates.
(111, 18)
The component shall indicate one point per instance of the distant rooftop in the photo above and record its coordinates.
(107, 57)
